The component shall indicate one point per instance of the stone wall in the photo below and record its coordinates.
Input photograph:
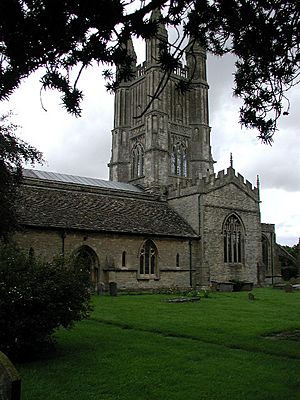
(216, 206)
(205, 204)
(108, 248)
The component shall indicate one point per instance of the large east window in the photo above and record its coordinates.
(148, 260)
(233, 240)
(179, 160)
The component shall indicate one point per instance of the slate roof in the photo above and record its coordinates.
(79, 180)
(62, 206)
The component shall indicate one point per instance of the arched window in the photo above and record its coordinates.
(265, 251)
(233, 240)
(148, 260)
(179, 160)
(137, 161)
(124, 259)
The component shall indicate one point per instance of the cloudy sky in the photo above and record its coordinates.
(81, 146)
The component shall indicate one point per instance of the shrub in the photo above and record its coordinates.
(36, 298)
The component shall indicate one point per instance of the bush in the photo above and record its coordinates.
(289, 272)
(36, 298)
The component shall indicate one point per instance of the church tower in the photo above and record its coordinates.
(162, 136)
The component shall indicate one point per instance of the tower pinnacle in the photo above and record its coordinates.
(161, 36)
(165, 141)
(196, 60)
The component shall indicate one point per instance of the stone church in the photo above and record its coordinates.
(164, 219)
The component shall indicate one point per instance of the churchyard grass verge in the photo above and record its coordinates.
(140, 347)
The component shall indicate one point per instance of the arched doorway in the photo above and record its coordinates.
(86, 259)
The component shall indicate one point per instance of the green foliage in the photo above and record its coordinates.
(265, 40)
(289, 272)
(35, 299)
(289, 268)
(63, 35)
(13, 153)
(292, 250)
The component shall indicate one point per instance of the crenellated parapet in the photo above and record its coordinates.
(210, 182)
(181, 71)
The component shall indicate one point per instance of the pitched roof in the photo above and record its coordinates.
(79, 180)
(62, 206)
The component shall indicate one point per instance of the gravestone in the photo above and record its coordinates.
(251, 297)
(225, 287)
(100, 288)
(222, 286)
(113, 288)
(10, 382)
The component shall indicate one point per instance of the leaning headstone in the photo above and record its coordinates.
(10, 382)
(113, 288)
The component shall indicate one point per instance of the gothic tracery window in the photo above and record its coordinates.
(137, 161)
(148, 260)
(179, 160)
(233, 240)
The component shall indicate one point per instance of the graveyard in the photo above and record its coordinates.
(138, 347)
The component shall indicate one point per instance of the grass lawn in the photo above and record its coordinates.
(138, 347)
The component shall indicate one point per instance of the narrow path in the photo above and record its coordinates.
(191, 337)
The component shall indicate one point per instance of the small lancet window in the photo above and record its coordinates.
(233, 240)
(124, 259)
(177, 260)
(179, 160)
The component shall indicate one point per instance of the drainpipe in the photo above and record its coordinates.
(272, 258)
(191, 276)
(204, 271)
(63, 237)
